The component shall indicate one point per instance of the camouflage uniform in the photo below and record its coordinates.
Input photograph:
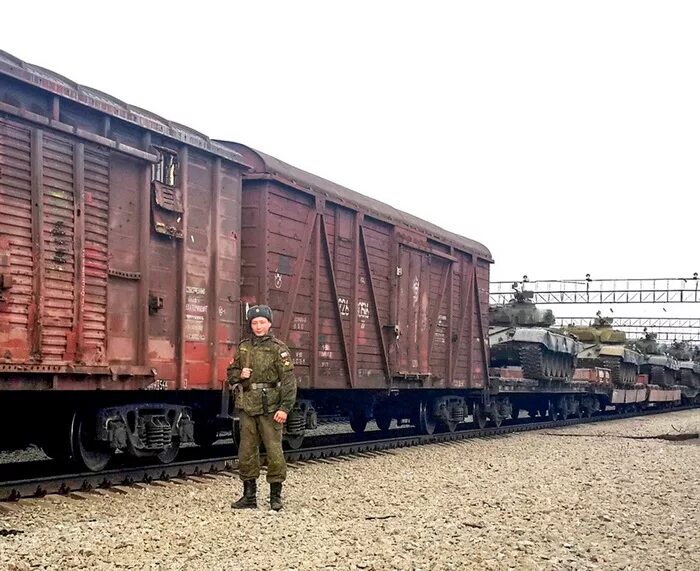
(270, 388)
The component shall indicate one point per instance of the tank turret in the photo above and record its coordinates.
(680, 350)
(647, 345)
(520, 334)
(520, 312)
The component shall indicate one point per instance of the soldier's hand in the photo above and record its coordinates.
(246, 372)
(280, 416)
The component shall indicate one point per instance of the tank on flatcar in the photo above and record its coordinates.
(520, 334)
(661, 367)
(604, 346)
(688, 374)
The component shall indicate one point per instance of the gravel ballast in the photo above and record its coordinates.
(584, 497)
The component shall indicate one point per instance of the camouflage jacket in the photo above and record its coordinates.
(271, 363)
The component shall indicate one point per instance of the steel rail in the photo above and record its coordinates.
(64, 484)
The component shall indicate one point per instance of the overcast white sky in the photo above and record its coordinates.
(565, 136)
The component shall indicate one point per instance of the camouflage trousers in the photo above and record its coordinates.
(256, 429)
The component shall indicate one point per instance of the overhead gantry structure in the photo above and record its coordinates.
(601, 291)
(614, 291)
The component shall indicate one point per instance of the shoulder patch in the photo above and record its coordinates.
(284, 354)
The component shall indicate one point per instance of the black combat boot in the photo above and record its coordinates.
(248, 500)
(276, 495)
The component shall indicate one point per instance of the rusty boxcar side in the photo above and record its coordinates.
(119, 251)
(366, 296)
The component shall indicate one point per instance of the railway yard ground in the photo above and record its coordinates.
(595, 496)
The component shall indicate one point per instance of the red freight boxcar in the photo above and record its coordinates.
(368, 298)
(122, 253)
(119, 263)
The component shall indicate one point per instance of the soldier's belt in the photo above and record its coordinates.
(254, 386)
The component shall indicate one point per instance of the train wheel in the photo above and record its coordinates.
(170, 453)
(56, 444)
(451, 425)
(358, 420)
(563, 410)
(479, 416)
(59, 451)
(426, 422)
(383, 416)
(497, 420)
(205, 434)
(56, 450)
(294, 441)
(383, 420)
(85, 450)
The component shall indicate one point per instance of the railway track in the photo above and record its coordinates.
(335, 446)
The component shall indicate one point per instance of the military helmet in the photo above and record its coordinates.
(259, 311)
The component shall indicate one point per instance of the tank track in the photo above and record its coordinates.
(621, 373)
(532, 361)
(541, 364)
(615, 366)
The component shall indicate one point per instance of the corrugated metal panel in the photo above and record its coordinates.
(343, 285)
(123, 299)
(377, 243)
(96, 254)
(198, 307)
(16, 237)
(463, 318)
(439, 318)
(59, 256)
(411, 354)
(228, 268)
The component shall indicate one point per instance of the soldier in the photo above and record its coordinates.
(263, 375)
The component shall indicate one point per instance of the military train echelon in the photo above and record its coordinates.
(131, 246)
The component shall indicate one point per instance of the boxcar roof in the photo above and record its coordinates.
(89, 97)
(266, 164)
